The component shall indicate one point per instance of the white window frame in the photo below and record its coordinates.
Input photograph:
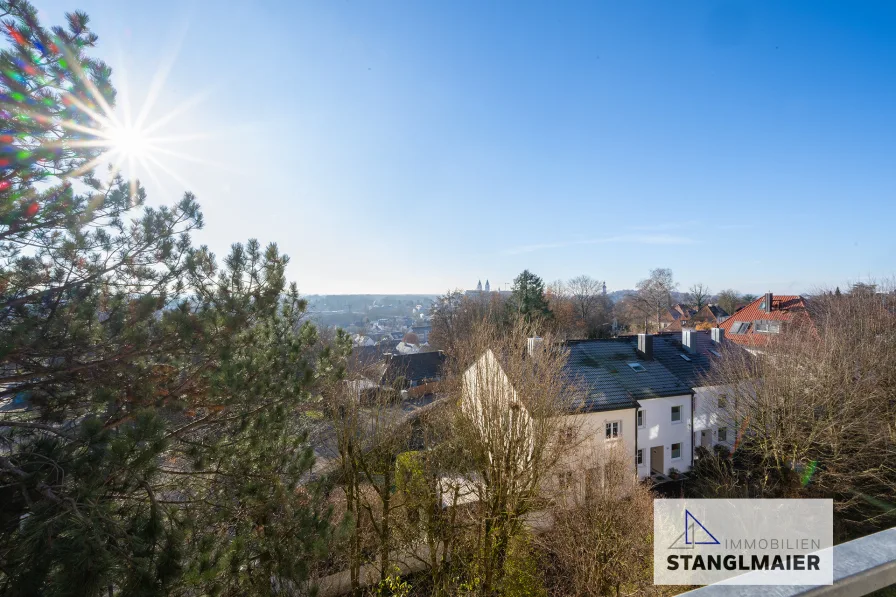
(680, 415)
(767, 326)
(722, 433)
(641, 418)
(609, 429)
(672, 451)
(639, 457)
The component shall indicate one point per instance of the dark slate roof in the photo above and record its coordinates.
(366, 356)
(668, 350)
(602, 368)
(419, 367)
(717, 310)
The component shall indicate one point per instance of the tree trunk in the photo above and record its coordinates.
(386, 498)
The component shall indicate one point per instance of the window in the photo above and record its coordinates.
(723, 401)
(767, 327)
(638, 367)
(676, 451)
(715, 352)
(640, 418)
(685, 357)
(740, 327)
(613, 428)
(640, 457)
(676, 414)
(723, 434)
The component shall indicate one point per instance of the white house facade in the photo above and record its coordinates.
(664, 435)
(647, 397)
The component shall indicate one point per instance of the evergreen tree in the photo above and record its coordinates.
(151, 429)
(527, 297)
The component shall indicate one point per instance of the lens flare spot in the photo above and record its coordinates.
(806, 477)
(129, 141)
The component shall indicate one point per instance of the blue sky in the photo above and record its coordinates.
(420, 146)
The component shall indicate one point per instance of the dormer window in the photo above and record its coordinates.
(764, 326)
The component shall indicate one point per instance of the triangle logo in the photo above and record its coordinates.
(695, 533)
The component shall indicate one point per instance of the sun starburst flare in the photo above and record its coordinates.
(83, 116)
(133, 143)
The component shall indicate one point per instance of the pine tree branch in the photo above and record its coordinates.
(39, 426)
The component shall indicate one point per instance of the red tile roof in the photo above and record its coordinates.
(675, 326)
(784, 308)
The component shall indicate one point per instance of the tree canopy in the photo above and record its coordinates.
(151, 395)
(527, 297)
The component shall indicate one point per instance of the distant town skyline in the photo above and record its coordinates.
(409, 147)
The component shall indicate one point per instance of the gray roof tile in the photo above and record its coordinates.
(602, 368)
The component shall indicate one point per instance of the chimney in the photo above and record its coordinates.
(717, 334)
(689, 340)
(768, 302)
(645, 346)
(533, 345)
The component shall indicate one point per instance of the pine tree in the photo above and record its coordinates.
(527, 297)
(150, 398)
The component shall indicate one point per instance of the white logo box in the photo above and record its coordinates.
(743, 542)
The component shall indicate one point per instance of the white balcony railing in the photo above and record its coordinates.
(861, 567)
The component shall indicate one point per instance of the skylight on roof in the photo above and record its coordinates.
(685, 357)
(740, 327)
(715, 352)
(637, 367)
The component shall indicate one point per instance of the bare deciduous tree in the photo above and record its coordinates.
(454, 315)
(585, 292)
(600, 543)
(655, 294)
(509, 424)
(699, 295)
(816, 406)
(579, 307)
(729, 300)
(370, 430)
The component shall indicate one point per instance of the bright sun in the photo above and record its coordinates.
(128, 141)
(137, 144)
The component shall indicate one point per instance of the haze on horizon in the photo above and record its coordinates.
(419, 147)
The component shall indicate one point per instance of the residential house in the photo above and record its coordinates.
(711, 314)
(628, 398)
(414, 371)
(754, 325)
(637, 401)
(647, 395)
(690, 356)
(677, 314)
(422, 332)
(361, 340)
